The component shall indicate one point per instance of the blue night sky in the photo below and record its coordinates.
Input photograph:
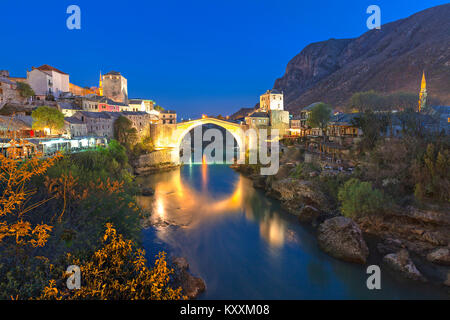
(193, 56)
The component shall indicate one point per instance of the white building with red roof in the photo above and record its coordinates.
(45, 80)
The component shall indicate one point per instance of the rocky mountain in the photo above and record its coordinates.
(386, 60)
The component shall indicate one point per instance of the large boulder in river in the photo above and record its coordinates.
(192, 286)
(341, 238)
(402, 263)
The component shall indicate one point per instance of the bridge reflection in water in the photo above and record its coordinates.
(186, 199)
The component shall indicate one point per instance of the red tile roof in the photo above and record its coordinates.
(46, 67)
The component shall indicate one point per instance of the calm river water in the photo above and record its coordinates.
(246, 247)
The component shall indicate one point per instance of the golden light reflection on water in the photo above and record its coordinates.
(177, 203)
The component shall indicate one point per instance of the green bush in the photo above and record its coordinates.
(359, 198)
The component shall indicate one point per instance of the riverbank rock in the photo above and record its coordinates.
(192, 286)
(295, 193)
(390, 245)
(440, 256)
(341, 238)
(259, 182)
(402, 263)
(419, 231)
(308, 214)
(147, 191)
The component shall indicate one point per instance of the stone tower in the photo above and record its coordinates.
(423, 94)
(115, 87)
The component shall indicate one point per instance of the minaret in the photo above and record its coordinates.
(100, 85)
(423, 93)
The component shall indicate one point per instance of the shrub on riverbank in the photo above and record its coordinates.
(359, 198)
(120, 270)
(66, 210)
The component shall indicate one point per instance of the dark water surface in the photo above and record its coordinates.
(246, 247)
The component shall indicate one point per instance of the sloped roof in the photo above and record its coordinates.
(135, 101)
(73, 120)
(259, 115)
(68, 105)
(113, 73)
(272, 91)
(441, 109)
(46, 67)
(92, 114)
(13, 123)
(134, 113)
(6, 80)
(168, 111)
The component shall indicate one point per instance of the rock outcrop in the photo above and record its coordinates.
(192, 286)
(418, 230)
(341, 238)
(403, 265)
(440, 256)
(295, 193)
(308, 214)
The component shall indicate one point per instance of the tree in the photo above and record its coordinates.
(431, 174)
(25, 90)
(47, 117)
(364, 101)
(320, 116)
(403, 101)
(124, 132)
(159, 108)
(372, 125)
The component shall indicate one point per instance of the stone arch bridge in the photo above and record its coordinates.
(170, 136)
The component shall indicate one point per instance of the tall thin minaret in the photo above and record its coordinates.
(423, 93)
(100, 85)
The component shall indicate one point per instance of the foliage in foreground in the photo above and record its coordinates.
(53, 207)
(117, 271)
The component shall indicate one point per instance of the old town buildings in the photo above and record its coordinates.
(89, 113)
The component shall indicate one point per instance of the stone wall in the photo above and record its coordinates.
(279, 119)
(158, 159)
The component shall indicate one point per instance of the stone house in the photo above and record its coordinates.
(8, 91)
(141, 121)
(68, 109)
(140, 105)
(168, 117)
(99, 124)
(75, 127)
(258, 119)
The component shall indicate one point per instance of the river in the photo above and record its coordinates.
(245, 246)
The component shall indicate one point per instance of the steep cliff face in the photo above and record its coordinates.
(386, 60)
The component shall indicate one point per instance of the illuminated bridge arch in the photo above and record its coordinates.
(171, 135)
